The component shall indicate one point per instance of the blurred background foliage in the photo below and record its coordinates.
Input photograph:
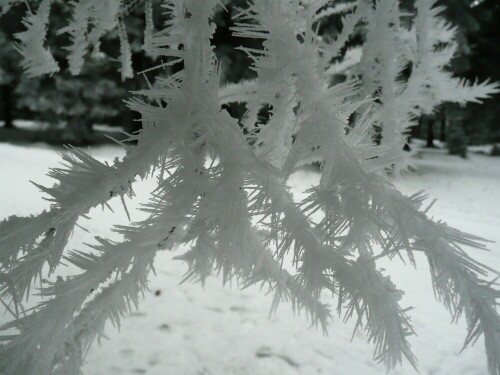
(67, 108)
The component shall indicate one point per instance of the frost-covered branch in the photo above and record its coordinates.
(222, 183)
(37, 59)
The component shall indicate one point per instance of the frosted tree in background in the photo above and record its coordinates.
(222, 183)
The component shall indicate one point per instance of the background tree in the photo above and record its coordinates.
(476, 35)
(482, 123)
(10, 69)
(70, 104)
(75, 102)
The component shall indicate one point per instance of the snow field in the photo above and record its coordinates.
(189, 330)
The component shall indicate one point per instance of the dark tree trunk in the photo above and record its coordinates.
(442, 130)
(7, 107)
(430, 131)
(416, 130)
(89, 127)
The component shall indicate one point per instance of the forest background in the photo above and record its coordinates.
(66, 108)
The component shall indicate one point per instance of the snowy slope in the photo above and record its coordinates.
(185, 330)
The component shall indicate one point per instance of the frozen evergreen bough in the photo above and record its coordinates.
(222, 185)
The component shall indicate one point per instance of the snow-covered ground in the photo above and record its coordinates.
(187, 330)
(31, 125)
